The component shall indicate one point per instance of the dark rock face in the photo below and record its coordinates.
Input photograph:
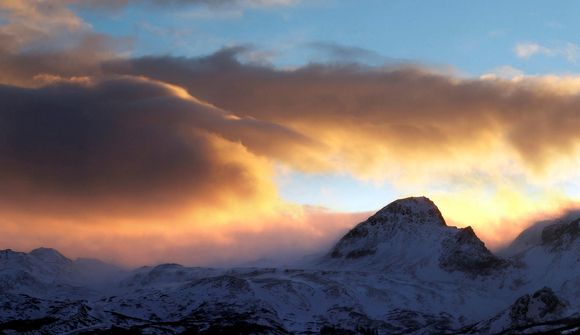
(467, 253)
(414, 210)
(359, 231)
(384, 224)
(415, 226)
(561, 235)
(542, 305)
(61, 317)
(361, 253)
(220, 318)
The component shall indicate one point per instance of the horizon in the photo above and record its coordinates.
(196, 132)
(564, 217)
(293, 260)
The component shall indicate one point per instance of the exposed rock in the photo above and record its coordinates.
(542, 305)
(560, 235)
(467, 253)
(409, 235)
(413, 210)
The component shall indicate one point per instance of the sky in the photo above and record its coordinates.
(220, 132)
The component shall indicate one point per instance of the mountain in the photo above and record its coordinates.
(45, 272)
(410, 235)
(529, 313)
(401, 271)
(554, 259)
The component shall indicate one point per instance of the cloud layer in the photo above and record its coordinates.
(393, 112)
(127, 143)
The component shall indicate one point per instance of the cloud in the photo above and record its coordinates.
(504, 72)
(124, 161)
(369, 117)
(40, 38)
(126, 145)
(117, 4)
(46, 37)
(525, 50)
(488, 141)
(277, 239)
(568, 51)
(137, 161)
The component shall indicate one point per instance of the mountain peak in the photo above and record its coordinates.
(49, 255)
(401, 219)
(413, 210)
(411, 235)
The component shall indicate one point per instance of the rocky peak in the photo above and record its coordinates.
(467, 253)
(413, 210)
(411, 233)
(398, 215)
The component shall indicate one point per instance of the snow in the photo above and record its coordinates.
(401, 270)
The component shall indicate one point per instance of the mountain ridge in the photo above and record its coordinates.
(403, 270)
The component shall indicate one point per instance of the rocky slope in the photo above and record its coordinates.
(401, 271)
(410, 235)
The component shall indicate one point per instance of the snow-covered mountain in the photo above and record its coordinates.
(401, 271)
(410, 236)
(44, 270)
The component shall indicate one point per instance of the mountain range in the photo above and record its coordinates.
(401, 271)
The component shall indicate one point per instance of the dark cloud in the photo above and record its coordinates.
(124, 143)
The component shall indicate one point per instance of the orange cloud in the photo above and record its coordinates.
(381, 115)
(126, 146)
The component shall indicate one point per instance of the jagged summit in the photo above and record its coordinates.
(396, 221)
(412, 210)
